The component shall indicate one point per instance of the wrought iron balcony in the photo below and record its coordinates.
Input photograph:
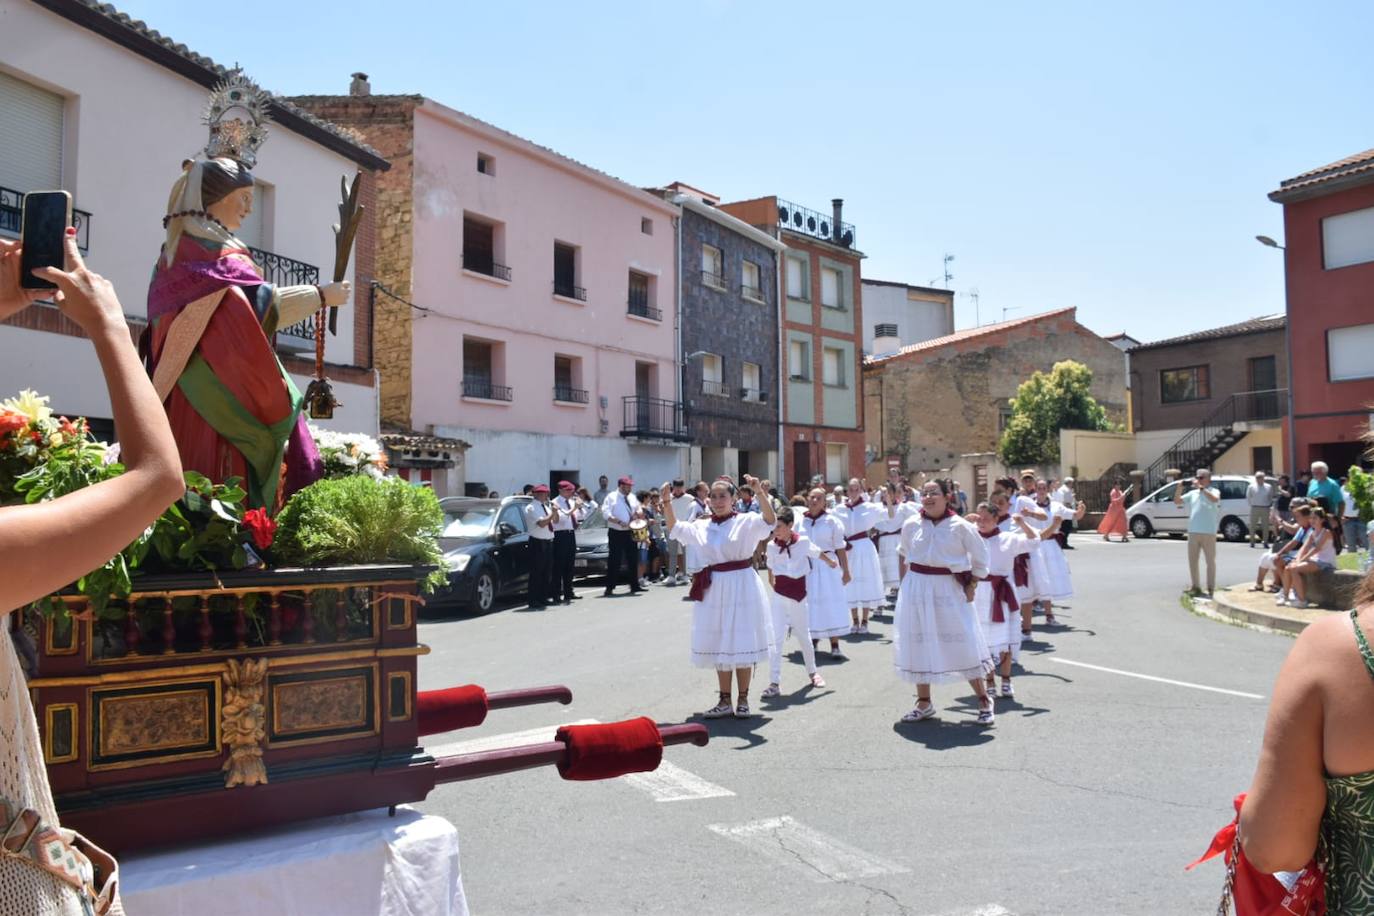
(751, 292)
(12, 218)
(753, 395)
(569, 395)
(643, 309)
(715, 389)
(713, 280)
(815, 224)
(283, 271)
(483, 264)
(477, 387)
(569, 291)
(653, 418)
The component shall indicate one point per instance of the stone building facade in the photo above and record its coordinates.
(930, 403)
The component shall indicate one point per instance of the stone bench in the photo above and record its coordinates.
(1335, 589)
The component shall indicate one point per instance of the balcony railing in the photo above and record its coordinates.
(283, 271)
(753, 395)
(569, 291)
(474, 387)
(644, 310)
(715, 389)
(483, 264)
(569, 395)
(817, 225)
(752, 292)
(653, 418)
(12, 218)
(713, 280)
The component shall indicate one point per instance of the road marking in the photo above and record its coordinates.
(803, 849)
(671, 783)
(1161, 680)
(991, 909)
(496, 742)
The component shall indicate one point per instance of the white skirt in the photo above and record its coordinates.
(888, 559)
(936, 637)
(731, 626)
(1000, 637)
(826, 605)
(865, 588)
(1049, 572)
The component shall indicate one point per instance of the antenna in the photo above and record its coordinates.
(947, 275)
(1008, 308)
(973, 294)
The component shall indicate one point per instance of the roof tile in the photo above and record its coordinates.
(971, 334)
(1249, 326)
(1360, 164)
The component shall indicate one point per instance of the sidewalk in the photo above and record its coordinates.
(1237, 604)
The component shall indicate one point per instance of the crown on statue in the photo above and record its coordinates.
(237, 115)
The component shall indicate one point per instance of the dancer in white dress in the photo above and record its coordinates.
(896, 509)
(790, 557)
(1049, 568)
(864, 593)
(826, 604)
(730, 615)
(937, 638)
(995, 597)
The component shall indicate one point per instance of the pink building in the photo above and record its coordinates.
(543, 326)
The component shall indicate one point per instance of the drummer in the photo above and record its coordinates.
(620, 508)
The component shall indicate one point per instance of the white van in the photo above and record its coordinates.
(1157, 513)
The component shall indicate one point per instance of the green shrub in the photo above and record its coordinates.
(355, 520)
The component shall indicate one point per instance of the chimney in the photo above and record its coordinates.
(837, 206)
(886, 342)
(360, 87)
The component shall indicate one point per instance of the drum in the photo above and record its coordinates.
(639, 530)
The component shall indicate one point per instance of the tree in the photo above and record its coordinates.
(1044, 404)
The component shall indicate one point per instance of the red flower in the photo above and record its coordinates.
(262, 527)
(12, 422)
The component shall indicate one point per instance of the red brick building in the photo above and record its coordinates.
(822, 340)
(1328, 216)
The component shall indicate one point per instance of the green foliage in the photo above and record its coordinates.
(1360, 485)
(358, 519)
(1044, 404)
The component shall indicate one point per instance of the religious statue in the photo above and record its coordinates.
(212, 316)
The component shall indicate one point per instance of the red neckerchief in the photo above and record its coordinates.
(1045, 504)
(949, 513)
(1003, 518)
(990, 534)
(855, 505)
(717, 519)
(786, 546)
(816, 516)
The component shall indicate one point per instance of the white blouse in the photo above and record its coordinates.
(860, 518)
(954, 544)
(795, 561)
(722, 542)
(1003, 551)
(826, 532)
(897, 519)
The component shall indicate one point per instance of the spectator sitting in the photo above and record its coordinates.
(1317, 554)
(1287, 552)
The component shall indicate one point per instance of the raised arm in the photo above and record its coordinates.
(666, 497)
(765, 504)
(52, 544)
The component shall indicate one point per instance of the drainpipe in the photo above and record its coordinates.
(779, 264)
(677, 331)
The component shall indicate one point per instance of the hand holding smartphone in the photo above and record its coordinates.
(46, 216)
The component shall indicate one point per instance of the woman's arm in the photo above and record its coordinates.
(52, 544)
(765, 504)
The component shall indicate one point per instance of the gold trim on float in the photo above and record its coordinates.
(75, 733)
(409, 695)
(358, 677)
(376, 713)
(133, 677)
(48, 646)
(216, 702)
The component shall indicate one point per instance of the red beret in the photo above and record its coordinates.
(627, 481)
(541, 488)
(566, 485)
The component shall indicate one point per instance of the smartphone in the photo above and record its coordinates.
(47, 214)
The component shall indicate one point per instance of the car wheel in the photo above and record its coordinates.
(1141, 527)
(1233, 529)
(484, 592)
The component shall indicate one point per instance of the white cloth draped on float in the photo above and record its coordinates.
(1049, 568)
(1004, 635)
(826, 605)
(730, 624)
(865, 588)
(936, 635)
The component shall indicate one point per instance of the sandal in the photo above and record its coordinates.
(817, 680)
(742, 710)
(1007, 691)
(918, 714)
(721, 709)
(986, 716)
(771, 691)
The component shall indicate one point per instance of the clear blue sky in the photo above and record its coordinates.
(1111, 156)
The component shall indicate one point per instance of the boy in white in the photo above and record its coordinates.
(995, 596)
(826, 606)
(864, 593)
(789, 561)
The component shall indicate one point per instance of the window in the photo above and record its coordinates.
(799, 360)
(1348, 238)
(1350, 352)
(483, 243)
(486, 164)
(646, 225)
(31, 125)
(752, 378)
(1003, 418)
(484, 369)
(798, 276)
(513, 516)
(751, 287)
(641, 300)
(1189, 384)
(831, 296)
(713, 376)
(1232, 489)
(565, 258)
(567, 380)
(836, 462)
(832, 367)
(884, 330)
(712, 266)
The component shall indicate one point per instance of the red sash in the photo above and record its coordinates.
(1020, 570)
(1003, 598)
(963, 578)
(793, 587)
(702, 580)
(849, 541)
(888, 534)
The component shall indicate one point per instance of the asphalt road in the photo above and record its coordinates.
(1089, 796)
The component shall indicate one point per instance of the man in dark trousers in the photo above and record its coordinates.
(540, 516)
(571, 511)
(620, 508)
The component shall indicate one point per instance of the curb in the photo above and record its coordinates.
(1223, 607)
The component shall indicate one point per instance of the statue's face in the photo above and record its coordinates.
(233, 209)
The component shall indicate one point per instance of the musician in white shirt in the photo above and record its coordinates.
(571, 512)
(620, 508)
(540, 515)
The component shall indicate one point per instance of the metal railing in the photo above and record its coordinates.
(715, 389)
(751, 292)
(12, 218)
(753, 395)
(653, 418)
(484, 264)
(477, 387)
(569, 394)
(644, 310)
(569, 291)
(815, 224)
(713, 280)
(280, 270)
(1203, 444)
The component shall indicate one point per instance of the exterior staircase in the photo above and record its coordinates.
(1201, 446)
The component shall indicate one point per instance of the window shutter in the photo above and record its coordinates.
(830, 288)
(30, 136)
(796, 284)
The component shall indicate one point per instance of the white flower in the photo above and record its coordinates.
(30, 404)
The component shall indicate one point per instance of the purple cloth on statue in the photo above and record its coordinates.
(304, 465)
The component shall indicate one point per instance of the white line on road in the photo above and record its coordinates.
(991, 909)
(796, 846)
(1161, 680)
(672, 783)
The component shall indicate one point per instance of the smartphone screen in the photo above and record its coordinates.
(46, 217)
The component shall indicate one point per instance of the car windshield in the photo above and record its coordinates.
(594, 519)
(468, 523)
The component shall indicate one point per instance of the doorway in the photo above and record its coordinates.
(1262, 459)
(801, 465)
(1264, 379)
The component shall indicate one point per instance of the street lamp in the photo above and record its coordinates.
(1288, 348)
(1268, 242)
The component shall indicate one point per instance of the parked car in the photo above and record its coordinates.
(487, 548)
(1156, 513)
(593, 545)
